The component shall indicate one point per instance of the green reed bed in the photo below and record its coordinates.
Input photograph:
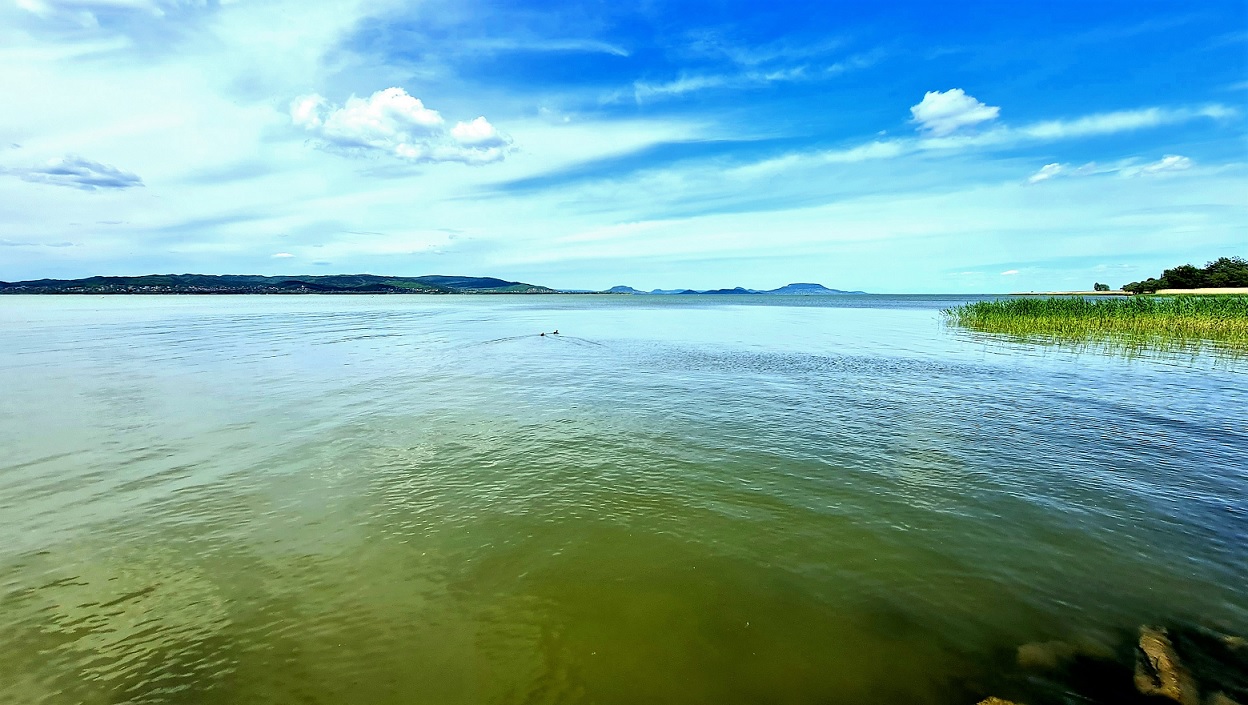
(1222, 319)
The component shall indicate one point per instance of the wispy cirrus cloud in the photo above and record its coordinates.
(392, 122)
(1121, 121)
(958, 133)
(89, 11)
(646, 90)
(1046, 172)
(712, 44)
(20, 243)
(74, 171)
(1168, 164)
(751, 75)
(571, 45)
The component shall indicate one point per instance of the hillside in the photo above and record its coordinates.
(256, 284)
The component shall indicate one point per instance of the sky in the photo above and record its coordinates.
(889, 147)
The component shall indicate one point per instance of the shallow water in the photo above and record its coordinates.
(676, 500)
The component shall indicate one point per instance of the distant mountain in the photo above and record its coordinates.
(807, 290)
(787, 290)
(736, 290)
(256, 284)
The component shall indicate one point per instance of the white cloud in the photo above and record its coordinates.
(1005, 136)
(870, 150)
(690, 83)
(1009, 272)
(589, 46)
(1168, 163)
(1046, 172)
(679, 86)
(87, 13)
(75, 172)
(197, 119)
(944, 113)
(282, 255)
(478, 133)
(1120, 121)
(393, 122)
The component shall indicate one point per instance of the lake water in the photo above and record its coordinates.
(419, 499)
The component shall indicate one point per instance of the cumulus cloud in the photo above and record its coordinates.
(282, 255)
(944, 113)
(1009, 272)
(76, 172)
(392, 122)
(478, 133)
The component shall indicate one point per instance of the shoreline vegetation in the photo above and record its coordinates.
(1225, 275)
(1222, 273)
(1182, 320)
(1204, 291)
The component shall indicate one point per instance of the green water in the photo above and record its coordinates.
(675, 500)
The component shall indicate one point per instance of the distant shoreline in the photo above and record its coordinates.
(1207, 291)
(1070, 293)
(251, 284)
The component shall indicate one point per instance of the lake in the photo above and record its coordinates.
(419, 499)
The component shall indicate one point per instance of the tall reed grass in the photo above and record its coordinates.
(1223, 319)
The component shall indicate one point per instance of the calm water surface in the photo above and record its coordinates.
(676, 500)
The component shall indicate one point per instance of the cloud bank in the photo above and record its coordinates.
(392, 122)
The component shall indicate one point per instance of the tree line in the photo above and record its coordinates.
(1222, 272)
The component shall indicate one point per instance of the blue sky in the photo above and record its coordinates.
(890, 147)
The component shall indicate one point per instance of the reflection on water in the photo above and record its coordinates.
(420, 500)
(1184, 351)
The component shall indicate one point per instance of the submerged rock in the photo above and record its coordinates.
(997, 701)
(1052, 655)
(1045, 655)
(1158, 671)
